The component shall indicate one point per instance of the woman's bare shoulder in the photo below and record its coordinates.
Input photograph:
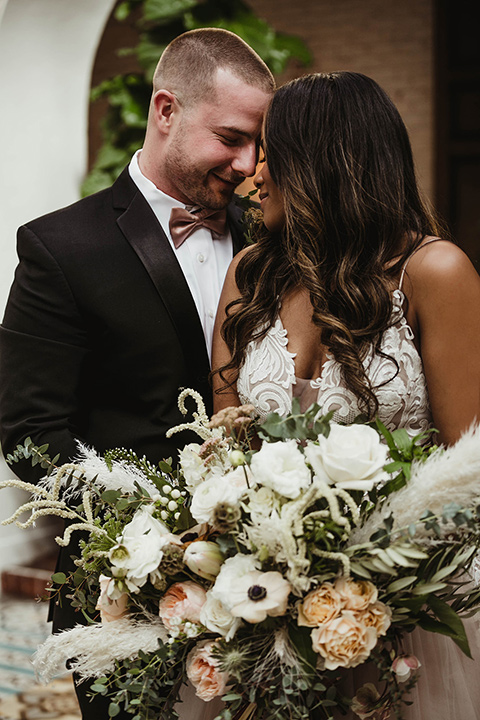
(440, 264)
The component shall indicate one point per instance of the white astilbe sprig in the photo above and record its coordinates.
(292, 525)
(200, 421)
(446, 476)
(95, 648)
(92, 469)
(48, 502)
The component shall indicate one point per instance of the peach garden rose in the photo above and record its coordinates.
(203, 672)
(344, 641)
(356, 594)
(182, 601)
(377, 615)
(320, 606)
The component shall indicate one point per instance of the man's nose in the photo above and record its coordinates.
(245, 160)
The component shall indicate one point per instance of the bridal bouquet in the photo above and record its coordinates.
(280, 560)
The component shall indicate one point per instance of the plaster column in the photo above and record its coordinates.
(47, 50)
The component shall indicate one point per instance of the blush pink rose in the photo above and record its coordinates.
(111, 603)
(203, 672)
(182, 601)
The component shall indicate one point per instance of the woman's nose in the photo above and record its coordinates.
(258, 179)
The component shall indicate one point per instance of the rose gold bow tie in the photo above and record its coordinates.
(183, 223)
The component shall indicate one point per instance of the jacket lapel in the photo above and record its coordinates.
(145, 234)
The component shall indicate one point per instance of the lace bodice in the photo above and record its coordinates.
(267, 378)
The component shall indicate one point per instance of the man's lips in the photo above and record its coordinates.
(231, 182)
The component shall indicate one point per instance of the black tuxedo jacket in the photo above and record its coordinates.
(100, 331)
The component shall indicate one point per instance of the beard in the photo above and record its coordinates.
(198, 186)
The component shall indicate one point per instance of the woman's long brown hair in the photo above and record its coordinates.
(339, 152)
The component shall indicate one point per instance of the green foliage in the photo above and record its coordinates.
(302, 426)
(403, 451)
(37, 455)
(157, 474)
(420, 572)
(160, 22)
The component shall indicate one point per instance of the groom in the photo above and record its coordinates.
(112, 308)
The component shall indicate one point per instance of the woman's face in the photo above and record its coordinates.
(271, 200)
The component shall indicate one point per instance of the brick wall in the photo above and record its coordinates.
(389, 40)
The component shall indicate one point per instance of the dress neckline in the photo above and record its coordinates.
(398, 299)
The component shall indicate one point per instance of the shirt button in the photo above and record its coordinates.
(201, 257)
(211, 313)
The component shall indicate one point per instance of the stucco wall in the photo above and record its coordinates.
(390, 41)
(47, 49)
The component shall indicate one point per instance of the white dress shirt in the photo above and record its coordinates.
(203, 260)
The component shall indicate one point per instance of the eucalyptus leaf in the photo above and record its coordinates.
(111, 496)
(113, 709)
(59, 578)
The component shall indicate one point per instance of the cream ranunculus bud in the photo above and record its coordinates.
(204, 558)
(237, 457)
(352, 457)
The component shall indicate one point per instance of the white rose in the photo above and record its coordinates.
(140, 549)
(216, 618)
(232, 569)
(194, 469)
(211, 493)
(261, 503)
(352, 457)
(192, 465)
(241, 479)
(281, 467)
(144, 523)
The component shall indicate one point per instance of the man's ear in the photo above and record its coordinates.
(167, 110)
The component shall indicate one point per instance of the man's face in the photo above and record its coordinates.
(214, 145)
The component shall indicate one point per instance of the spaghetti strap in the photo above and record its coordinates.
(432, 240)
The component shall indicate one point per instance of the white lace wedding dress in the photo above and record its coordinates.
(449, 685)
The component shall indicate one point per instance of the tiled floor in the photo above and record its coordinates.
(23, 627)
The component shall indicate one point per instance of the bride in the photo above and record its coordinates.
(350, 298)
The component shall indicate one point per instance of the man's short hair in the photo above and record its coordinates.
(189, 64)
